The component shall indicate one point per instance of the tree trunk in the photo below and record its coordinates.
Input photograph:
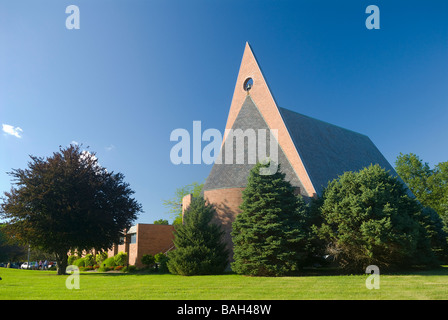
(61, 259)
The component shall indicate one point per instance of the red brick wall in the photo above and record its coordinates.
(226, 203)
(113, 251)
(186, 200)
(151, 239)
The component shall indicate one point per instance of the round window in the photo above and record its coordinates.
(248, 84)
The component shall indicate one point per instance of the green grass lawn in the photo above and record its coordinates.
(28, 284)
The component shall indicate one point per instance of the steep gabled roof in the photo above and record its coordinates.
(311, 152)
(266, 105)
(327, 150)
(235, 175)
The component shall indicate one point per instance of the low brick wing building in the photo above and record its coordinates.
(144, 239)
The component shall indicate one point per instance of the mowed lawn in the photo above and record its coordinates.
(28, 284)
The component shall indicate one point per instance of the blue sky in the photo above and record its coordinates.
(137, 70)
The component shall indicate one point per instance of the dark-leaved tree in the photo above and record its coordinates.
(68, 201)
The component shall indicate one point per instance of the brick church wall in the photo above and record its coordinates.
(226, 203)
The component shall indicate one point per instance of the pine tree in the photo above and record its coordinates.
(198, 241)
(268, 234)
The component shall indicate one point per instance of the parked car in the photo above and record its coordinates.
(25, 265)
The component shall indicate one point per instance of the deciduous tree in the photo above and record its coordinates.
(68, 201)
(430, 186)
(174, 205)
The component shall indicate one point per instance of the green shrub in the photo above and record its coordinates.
(100, 257)
(161, 260)
(87, 268)
(129, 269)
(105, 269)
(80, 262)
(89, 260)
(121, 259)
(108, 263)
(148, 260)
(71, 259)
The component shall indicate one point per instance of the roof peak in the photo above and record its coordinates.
(262, 97)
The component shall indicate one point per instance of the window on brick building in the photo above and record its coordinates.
(133, 238)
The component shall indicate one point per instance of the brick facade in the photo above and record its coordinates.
(186, 200)
(149, 239)
(226, 203)
(262, 97)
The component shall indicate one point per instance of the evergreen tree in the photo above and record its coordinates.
(268, 234)
(369, 219)
(198, 241)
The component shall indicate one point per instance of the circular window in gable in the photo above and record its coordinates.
(248, 83)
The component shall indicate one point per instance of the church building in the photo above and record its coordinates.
(310, 152)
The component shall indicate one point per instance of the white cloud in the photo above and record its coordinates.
(11, 130)
(110, 147)
(75, 143)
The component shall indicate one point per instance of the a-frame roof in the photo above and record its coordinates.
(327, 150)
(316, 152)
(234, 175)
(263, 99)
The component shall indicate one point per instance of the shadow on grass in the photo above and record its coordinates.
(310, 272)
(415, 270)
(118, 274)
(422, 271)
